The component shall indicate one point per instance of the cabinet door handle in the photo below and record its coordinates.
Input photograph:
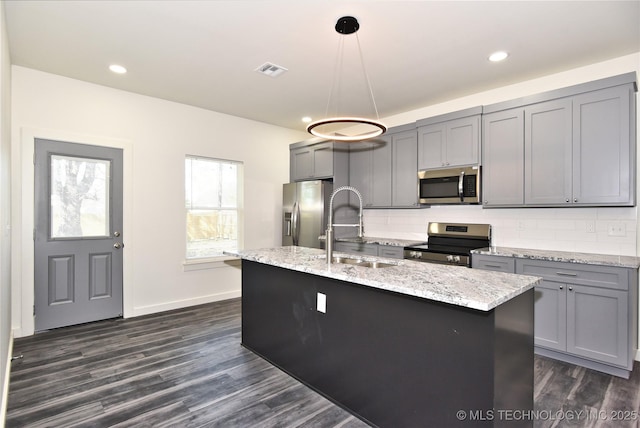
(493, 266)
(561, 287)
(570, 288)
(566, 274)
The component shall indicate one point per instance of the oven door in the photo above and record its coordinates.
(449, 186)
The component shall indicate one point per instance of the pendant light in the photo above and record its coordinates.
(320, 128)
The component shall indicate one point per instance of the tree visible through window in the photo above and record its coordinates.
(212, 197)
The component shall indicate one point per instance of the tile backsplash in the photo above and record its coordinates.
(587, 230)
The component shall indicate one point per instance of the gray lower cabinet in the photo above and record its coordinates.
(584, 314)
(387, 251)
(390, 251)
(495, 263)
(356, 248)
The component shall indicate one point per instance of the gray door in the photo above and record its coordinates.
(78, 234)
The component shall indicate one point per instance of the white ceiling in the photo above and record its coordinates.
(416, 53)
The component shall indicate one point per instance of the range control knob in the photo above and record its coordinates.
(456, 259)
(450, 258)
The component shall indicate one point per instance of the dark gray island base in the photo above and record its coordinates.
(393, 360)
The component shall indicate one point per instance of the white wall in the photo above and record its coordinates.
(155, 135)
(540, 228)
(5, 215)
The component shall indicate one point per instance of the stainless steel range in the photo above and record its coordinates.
(451, 243)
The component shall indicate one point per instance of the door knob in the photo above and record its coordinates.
(118, 245)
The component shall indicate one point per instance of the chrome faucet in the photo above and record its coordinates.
(330, 225)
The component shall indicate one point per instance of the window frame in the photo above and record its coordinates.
(208, 262)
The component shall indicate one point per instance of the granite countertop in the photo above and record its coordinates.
(461, 286)
(562, 256)
(381, 241)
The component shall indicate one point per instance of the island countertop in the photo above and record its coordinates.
(460, 286)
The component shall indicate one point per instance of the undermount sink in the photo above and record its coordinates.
(346, 260)
(360, 262)
(376, 265)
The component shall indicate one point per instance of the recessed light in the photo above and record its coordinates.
(306, 119)
(117, 69)
(498, 56)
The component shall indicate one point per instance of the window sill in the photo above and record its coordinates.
(210, 263)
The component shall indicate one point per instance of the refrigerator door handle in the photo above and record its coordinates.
(294, 220)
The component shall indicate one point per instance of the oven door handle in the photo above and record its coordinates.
(461, 186)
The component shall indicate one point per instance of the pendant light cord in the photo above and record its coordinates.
(336, 85)
(366, 76)
(337, 71)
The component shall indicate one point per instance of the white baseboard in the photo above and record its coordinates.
(5, 386)
(152, 309)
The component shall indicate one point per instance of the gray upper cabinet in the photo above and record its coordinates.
(385, 170)
(449, 140)
(370, 171)
(404, 179)
(313, 161)
(547, 153)
(575, 147)
(604, 147)
(325, 160)
(503, 158)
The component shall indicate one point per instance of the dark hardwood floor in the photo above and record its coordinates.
(186, 368)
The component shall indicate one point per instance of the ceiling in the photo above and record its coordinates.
(416, 53)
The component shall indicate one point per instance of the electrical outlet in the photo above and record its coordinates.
(591, 226)
(617, 228)
(321, 303)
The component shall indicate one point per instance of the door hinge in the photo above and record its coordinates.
(34, 158)
(34, 310)
(34, 235)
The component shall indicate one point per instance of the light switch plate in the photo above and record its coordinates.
(321, 303)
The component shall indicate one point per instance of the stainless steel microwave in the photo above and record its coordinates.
(449, 186)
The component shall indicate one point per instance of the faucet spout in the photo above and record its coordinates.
(331, 225)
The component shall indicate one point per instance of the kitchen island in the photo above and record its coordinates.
(407, 345)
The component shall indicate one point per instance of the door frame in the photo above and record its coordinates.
(23, 221)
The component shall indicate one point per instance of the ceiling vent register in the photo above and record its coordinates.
(271, 70)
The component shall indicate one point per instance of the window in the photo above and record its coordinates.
(213, 201)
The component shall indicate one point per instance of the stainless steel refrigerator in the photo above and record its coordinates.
(305, 206)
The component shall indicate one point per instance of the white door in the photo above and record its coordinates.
(78, 233)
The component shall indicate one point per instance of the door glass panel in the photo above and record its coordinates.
(79, 197)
